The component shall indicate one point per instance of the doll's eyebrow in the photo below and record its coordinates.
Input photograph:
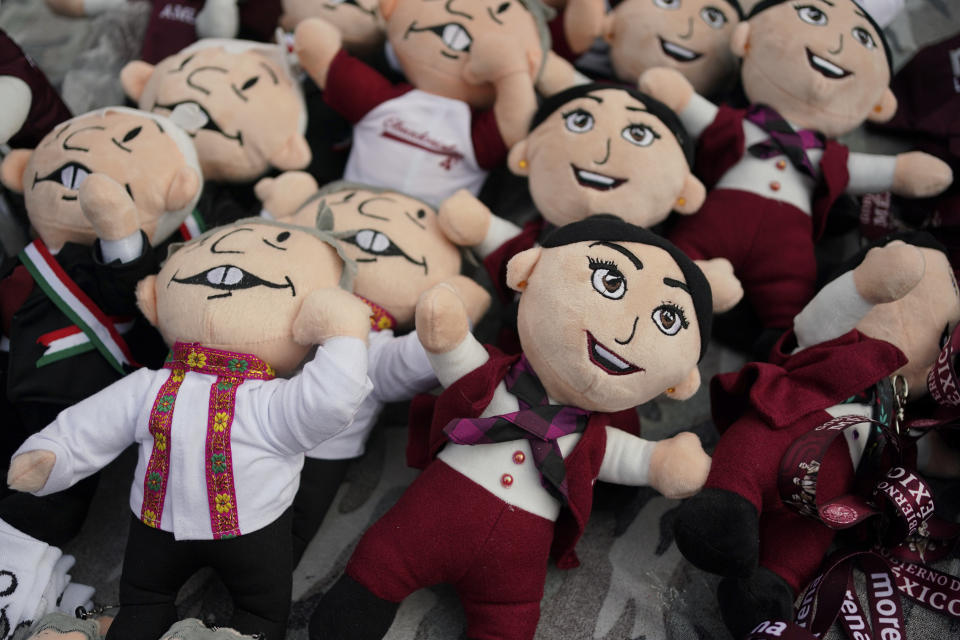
(372, 215)
(446, 5)
(593, 97)
(270, 71)
(61, 132)
(857, 12)
(640, 109)
(634, 259)
(670, 282)
(827, 2)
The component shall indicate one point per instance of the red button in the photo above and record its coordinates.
(519, 457)
(506, 480)
(774, 185)
(781, 164)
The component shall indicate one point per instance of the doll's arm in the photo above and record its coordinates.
(444, 332)
(670, 87)
(887, 273)
(502, 63)
(83, 439)
(676, 467)
(583, 23)
(399, 367)
(914, 174)
(558, 74)
(467, 222)
(17, 99)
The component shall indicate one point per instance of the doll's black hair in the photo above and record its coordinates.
(763, 5)
(736, 7)
(660, 111)
(605, 227)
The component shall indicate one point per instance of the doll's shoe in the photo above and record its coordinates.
(193, 629)
(716, 530)
(746, 602)
(350, 610)
(60, 626)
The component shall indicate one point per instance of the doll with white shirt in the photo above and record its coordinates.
(611, 316)
(401, 252)
(872, 332)
(812, 72)
(220, 436)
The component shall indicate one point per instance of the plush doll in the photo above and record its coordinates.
(31, 106)
(594, 148)
(401, 252)
(470, 68)
(887, 317)
(101, 190)
(242, 105)
(813, 72)
(358, 21)
(691, 36)
(220, 439)
(519, 441)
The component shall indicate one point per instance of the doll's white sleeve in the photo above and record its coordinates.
(499, 232)
(17, 99)
(834, 311)
(125, 249)
(89, 435)
(626, 459)
(297, 414)
(870, 173)
(399, 367)
(698, 115)
(459, 361)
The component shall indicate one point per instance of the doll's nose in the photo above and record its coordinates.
(200, 78)
(839, 46)
(689, 33)
(606, 154)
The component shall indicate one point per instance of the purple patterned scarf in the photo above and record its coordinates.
(784, 139)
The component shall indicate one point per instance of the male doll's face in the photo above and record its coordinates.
(691, 36)
(819, 63)
(608, 325)
(605, 153)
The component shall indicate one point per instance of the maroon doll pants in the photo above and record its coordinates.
(448, 529)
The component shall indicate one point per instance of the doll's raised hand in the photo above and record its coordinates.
(316, 42)
(724, 284)
(108, 207)
(331, 313)
(495, 57)
(679, 466)
(464, 219)
(441, 319)
(669, 86)
(283, 195)
(919, 175)
(475, 299)
(29, 471)
(889, 272)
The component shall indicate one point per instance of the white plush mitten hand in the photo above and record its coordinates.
(679, 466)
(331, 313)
(441, 319)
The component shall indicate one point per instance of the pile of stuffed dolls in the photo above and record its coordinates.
(523, 222)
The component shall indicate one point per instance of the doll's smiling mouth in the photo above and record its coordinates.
(378, 244)
(825, 67)
(594, 180)
(453, 34)
(229, 278)
(677, 52)
(607, 359)
(70, 175)
(196, 110)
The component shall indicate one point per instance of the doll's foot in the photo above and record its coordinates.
(350, 610)
(746, 602)
(889, 272)
(716, 530)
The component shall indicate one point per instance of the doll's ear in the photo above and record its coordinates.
(387, 7)
(520, 267)
(294, 154)
(147, 298)
(691, 197)
(517, 159)
(134, 78)
(183, 188)
(11, 171)
(885, 109)
(740, 40)
(686, 388)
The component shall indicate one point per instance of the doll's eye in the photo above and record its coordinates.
(639, 134)
(578, 121)
(133, 133)
(503, 7)
(669, 318)
(811, 15)
(607, 279)
(667, 4)
(863, 36)
(713, 17)
(249, 83)
(421, 214)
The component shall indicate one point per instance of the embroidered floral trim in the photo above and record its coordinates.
(380, 319)
(231, 370)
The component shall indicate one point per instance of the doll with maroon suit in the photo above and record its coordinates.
(517, 442)
(887, 317)
(812, 72)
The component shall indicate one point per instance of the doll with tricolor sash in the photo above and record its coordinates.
(220, 436)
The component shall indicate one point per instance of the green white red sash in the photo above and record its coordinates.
(76, 305)
(193, 226)
(71, 341)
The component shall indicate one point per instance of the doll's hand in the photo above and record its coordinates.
(476, 299)
(441, 319)
(108, 207)
(889, 272)
(583, 22)
(463, 219)
(679, 466)
(283, 195)
(316, 42)
(29, 471)
(669, 86)
(494, 57)
(919, 175)
(331, 313)
(725, 286)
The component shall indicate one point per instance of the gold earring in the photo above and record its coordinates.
(523, 164)
(877, 108)
(670, 391)
(681, 201)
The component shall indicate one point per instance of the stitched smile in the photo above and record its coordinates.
(607, 359)
(209, 125)
(454, 35)
(825, 67)
(677, 52)
(594, 180)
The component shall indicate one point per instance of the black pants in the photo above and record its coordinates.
(319, 482)
(255, 567)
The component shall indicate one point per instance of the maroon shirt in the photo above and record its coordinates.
(47, 110)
